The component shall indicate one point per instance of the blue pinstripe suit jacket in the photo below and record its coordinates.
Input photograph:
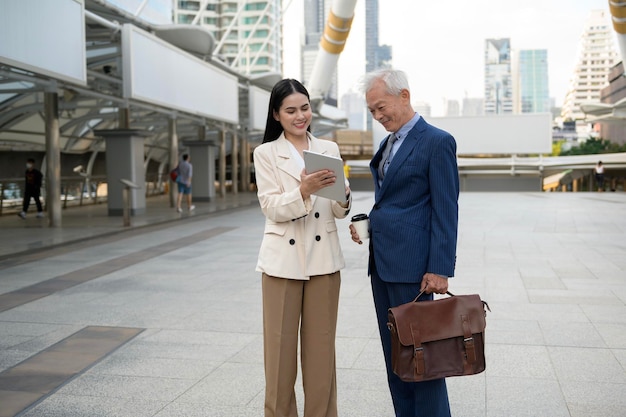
(414, 221)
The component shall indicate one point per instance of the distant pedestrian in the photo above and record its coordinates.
(32, 188)
(185, 172)
(599, 171)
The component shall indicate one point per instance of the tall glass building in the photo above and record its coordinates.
(498, 79)
(376, 56)
(248, 32)
(534, 91)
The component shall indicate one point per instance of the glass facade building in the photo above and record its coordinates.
(247, 32)
(498, 79)
(376, 55)
(534, 91)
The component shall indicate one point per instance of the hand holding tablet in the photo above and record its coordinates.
(314, 161)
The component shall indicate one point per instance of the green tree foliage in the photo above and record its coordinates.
(595, 146)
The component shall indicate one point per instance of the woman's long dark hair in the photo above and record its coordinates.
(282, 89)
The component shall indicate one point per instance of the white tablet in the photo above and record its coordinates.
(314, 161)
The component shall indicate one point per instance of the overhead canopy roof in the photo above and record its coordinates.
(92, 100)
(604, 112)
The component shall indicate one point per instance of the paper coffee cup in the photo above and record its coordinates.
(362, 224)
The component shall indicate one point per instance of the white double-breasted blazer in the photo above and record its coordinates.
(300, 238)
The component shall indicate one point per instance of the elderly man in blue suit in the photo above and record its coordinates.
(413, 224)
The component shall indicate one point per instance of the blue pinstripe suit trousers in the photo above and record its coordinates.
(410, 399)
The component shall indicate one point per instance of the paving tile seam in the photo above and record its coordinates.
(50, 286)
(493, 394)
(31, 381)
(550, 346)
(47, 251)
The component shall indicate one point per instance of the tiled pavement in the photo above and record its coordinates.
(164, 318)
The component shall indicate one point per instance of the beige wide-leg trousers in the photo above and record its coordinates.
(310, 306)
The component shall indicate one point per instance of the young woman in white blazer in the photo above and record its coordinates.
(300, 258)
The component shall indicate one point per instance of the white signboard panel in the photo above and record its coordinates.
(159, 73)
(44, 36)
(499, 134)
(259, 101)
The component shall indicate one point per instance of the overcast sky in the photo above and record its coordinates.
(440, 44)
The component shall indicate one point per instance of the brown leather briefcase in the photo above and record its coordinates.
(438, 338)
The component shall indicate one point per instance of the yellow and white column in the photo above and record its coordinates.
(331, 45)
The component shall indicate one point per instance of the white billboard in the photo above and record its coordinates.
(160, 73)
(499, 134)
(259, 101)
(44, 36)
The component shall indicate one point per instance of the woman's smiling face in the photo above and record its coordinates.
(295, 115)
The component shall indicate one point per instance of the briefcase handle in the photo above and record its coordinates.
(451, 295)
(422, 292)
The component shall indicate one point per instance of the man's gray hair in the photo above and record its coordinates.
(395, 80)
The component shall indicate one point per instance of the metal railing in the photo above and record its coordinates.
(75, 191)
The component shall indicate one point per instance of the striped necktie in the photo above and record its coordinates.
(387, 155)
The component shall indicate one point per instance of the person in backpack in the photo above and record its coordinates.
(185, 172)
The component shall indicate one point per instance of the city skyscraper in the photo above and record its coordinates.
(422, 107)
(248, 32)
(498, 79)
(597, 56)
(472, 106)
(452, 108)
(315, 15)
(533, 89)
(376, 56)
(354, 104)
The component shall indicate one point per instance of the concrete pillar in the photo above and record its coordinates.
(248, 179)
(173, 144)
(88, 173)
(123, 118)
(202, 155)
(53, 159)
(223, 163)
(201, 132)
(124, 161)
(234, 162)
(244, 150)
